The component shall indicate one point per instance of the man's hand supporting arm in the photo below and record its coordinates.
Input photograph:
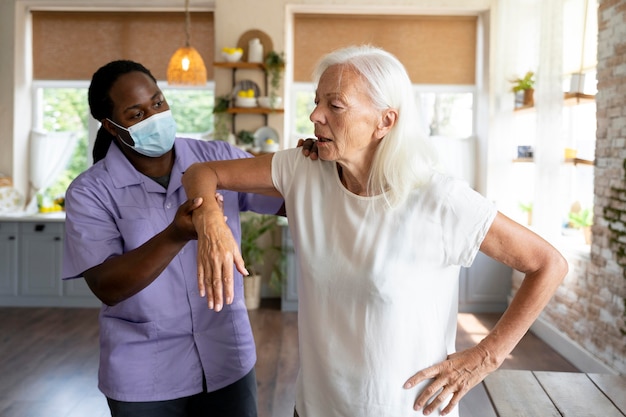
(123, 276)
(217, 248)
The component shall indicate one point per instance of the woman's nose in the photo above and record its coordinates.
(316, 115)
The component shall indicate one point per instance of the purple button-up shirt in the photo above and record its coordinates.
(156, 345)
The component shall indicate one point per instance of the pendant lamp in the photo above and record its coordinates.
(186, 66)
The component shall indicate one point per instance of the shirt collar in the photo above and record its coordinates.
(124, 174)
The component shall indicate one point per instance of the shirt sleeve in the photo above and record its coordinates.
(91, 234)
(466, 219)
(283, 167)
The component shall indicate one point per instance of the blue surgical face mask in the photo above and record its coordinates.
(153, 136)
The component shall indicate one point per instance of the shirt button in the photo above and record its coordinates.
(168, 205)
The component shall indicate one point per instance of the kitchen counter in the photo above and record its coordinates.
(58, 216)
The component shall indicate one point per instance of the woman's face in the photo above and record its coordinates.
(135, 98)
(347, 125)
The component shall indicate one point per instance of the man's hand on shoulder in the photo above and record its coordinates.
(309, 147)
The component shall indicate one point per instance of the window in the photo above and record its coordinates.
(61, 106)
(446, 111)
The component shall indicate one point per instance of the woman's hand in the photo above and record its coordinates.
(454, 377)
(217, 251)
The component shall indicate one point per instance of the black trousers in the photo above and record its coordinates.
(238, 399)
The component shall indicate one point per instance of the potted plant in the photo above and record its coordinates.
(246, 138)
(528, 209)
(582, 219)
(221, 118)
(524, 89)
(255, 254)
(274, 66)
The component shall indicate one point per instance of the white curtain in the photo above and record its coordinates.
(550, 195)
(529, 38)
(50, 153)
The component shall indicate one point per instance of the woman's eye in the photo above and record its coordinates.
(138, 115)
(159, 103)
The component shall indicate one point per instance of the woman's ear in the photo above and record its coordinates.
(387, 121)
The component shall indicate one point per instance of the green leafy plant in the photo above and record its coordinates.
(525, 83)
(221, 118)
(221, 104)
(528, 209)
(253, 227)
(245, 137)
(581, 218)
(274, 66)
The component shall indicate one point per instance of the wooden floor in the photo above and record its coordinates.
(49, 361)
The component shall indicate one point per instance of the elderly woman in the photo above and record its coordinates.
(380, 236)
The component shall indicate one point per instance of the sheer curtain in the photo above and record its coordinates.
(550, 196)
(50, 153)
(529, 37)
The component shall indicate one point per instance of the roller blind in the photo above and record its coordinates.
(73, 45)
(434, 49)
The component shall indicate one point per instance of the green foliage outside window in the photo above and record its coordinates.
(305, 103)
(67, 109)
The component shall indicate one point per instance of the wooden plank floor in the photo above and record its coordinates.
(49, 361)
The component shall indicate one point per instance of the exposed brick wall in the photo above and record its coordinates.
(589, 306)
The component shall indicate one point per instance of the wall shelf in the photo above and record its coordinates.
(569, 99)
(575, 161)
(240, 65)
(579, 161)
(572, 99)
(253, 110)
(254, 66)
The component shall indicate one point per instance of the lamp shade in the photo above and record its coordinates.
(186, 67)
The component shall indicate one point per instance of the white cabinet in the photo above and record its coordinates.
(8, 258)
(41, 251)
(485, 286)
(289, 300)
(31, 254)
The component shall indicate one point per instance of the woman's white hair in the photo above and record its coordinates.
(404, 160)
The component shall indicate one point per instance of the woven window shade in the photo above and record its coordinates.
(434, 49)
(73, 45)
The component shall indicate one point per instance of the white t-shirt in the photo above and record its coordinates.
(377, 289)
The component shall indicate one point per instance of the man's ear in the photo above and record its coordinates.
(387, 121)
(110, 127)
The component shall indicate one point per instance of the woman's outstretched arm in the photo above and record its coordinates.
(217, 248)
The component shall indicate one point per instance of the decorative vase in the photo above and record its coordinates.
(255, 50)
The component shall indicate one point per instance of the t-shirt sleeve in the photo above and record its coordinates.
(466, 219)
(283, 167)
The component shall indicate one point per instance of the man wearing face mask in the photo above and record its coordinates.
(129, 234)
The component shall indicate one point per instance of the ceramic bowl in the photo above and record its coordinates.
(245, 102)
(232, 57)
(266, 102)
